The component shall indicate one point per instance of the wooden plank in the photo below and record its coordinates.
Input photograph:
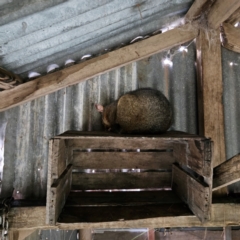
(87, 199)
(221, 11)
(114, 143)
(226, 173)
(196, 155)
(123, 160)
(59, 157)
(230, 36)
(119, 180)
(234, 18)
(58, 195)
(210, 93)
(193, 192)
(121, 213)
(222, 214)
(96, 66)
(176, 135)
(198, 8)
(227, 233)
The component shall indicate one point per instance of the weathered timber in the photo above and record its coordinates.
(123, 160)
(87, 199)
(119, 180)
(210, 94)
(197, 9)
(195, 154)
(195, 193)
(226, 173)
(169, 134)
(59, 158)
(34, 218)
(234, 18)
(220, 11)
(58, 194)
(227, 233)
(85, 234)
(96, 66)
(231, 36)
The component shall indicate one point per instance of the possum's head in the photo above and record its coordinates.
(104, 113)
(108, 114)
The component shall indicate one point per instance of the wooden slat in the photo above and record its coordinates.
(197, 9)
(210, 95)
(86, 181)
(120, 143)
(220, 11)
(231, 36)
(226, 173)
(125, 160)
(176, 135)
(34, 218)
(234, 18)
(193, 192)
(58, 195)
(93, 67)
(196, 155)
(87, 199)
(121, 213)
(59, 157)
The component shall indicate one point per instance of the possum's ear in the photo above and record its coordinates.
(99, 107)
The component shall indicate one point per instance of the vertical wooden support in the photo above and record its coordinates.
(85, 234)
(227, 233)
(210, 93)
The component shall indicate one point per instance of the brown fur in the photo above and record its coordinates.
(139, 111)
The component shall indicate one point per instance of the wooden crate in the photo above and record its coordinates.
(102, 177)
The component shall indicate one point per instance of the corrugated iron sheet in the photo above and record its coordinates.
(231, 99)
(34, 34)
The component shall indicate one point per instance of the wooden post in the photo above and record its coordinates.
(210, 93)
(227, 233)
(85, 234)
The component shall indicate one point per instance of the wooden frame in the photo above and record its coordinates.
(152, 155)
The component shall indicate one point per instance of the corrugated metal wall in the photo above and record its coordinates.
(36, 33)
(231, 99)
(31, 125)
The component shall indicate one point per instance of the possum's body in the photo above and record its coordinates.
(139, 111)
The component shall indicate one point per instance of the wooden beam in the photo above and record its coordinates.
(226, 173)
(197, 9)
(96, 66)
(210, 93)
(220, 11)
(34, 218)
(234, 18)
(231, 36)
